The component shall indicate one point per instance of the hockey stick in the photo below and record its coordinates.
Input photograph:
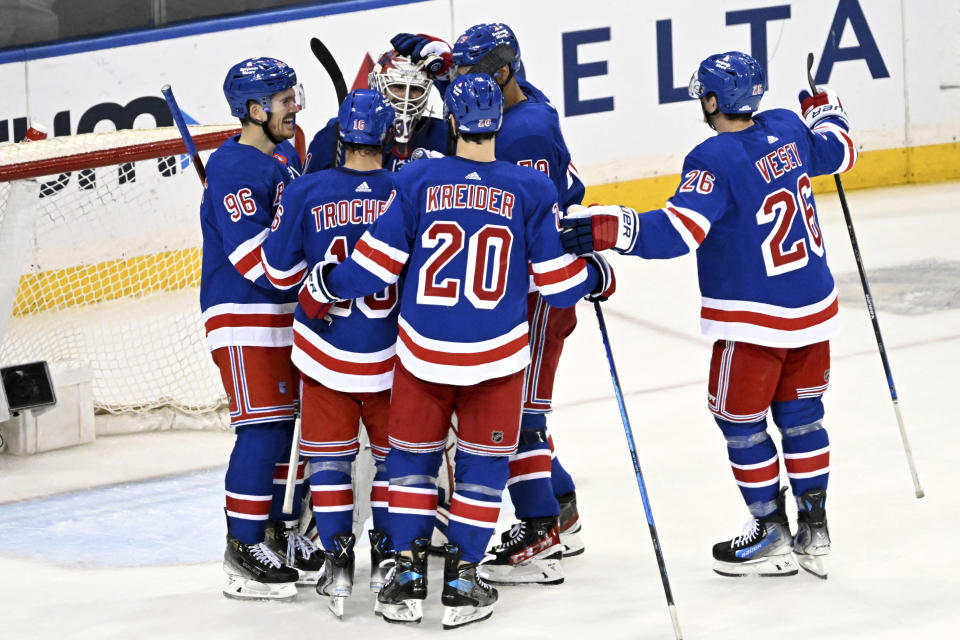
(872, 310)
(292, 464)
(636, 467)
(325, 58)
(184, 133)
(323, 55)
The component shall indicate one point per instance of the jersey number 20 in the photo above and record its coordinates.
(488, 260)
(780, 207)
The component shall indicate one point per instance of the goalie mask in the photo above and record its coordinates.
(407, 86)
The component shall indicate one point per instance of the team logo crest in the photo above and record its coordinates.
(496, 436)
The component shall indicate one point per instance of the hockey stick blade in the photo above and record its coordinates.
(178, 120)
(871, 309)
(330, 65)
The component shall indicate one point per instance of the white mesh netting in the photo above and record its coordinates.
(106, 266)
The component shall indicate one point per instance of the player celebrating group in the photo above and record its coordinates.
(346, 369)
(249, 327)
(745, 205)
(407, 86)
(463, 232)
(540, 488)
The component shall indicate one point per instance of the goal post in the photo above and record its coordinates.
(100, 254)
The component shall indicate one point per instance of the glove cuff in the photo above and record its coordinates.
(608, 282)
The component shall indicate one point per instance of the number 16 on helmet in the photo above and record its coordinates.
(365, 117)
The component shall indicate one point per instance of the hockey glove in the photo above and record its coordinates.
(608, 281)
(432, 51)
(821, 106)
(600, 227)
(315, 297)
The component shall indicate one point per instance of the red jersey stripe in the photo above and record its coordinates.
(561, 274)
(464, 359)
(695, 230)
(771, 322)
(280, 320)
(379, 257)
(248, 262)
(342, 366)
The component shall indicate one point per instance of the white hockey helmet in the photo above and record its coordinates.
(407, 86)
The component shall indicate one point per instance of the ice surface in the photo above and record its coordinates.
(69, 563)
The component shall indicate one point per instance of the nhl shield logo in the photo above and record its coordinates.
(826, 375)
(496, 436)
(282, 386)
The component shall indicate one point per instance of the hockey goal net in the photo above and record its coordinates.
(100, 266)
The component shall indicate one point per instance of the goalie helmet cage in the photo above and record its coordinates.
(100, 250)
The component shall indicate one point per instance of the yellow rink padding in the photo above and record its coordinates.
(881, 168)
(109, 280)
(172, 270)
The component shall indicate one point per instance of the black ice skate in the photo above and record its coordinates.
(569, 528)
(381, 550)
(336, 577)
(466, 597)
(256, 573)
(401, 598)
(529, 554)
(812, 542)
(763, 548)
(296, 550)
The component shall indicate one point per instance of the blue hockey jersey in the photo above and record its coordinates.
(464, 235)
(745, 205)
(321, 217)
(530, 136)
(430, 133)
(244, 185)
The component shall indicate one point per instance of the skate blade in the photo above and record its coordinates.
(815, 565)
(307, 578)
(572, 543)
(406, 612)
(767, 566)
(545, 572)
(240, 588)
(336, 604)
(454, 617)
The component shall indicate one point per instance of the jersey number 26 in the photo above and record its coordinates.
(780, 207)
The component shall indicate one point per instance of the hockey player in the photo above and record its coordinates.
(540, 488)
(407, 86)
(249, 327)
(347, 368)
(745, 205)
(462, 233)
